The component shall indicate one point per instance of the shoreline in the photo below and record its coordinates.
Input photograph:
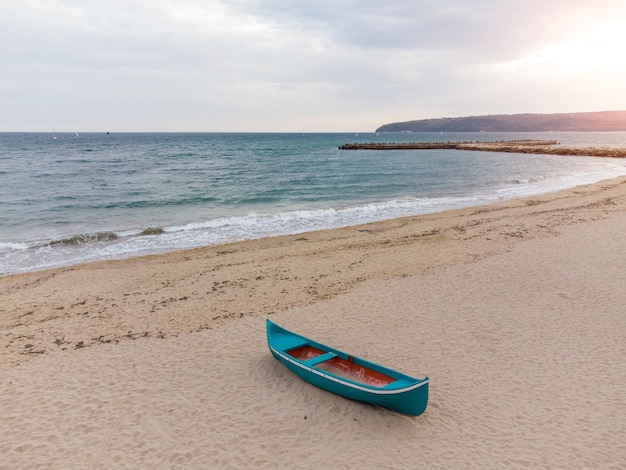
(83, 241)
(514, 310)
(342, 258)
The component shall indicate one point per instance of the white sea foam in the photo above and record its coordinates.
(6, 247)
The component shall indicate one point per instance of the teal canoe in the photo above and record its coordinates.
(345, 375)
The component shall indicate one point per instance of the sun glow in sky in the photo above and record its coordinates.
(278, 65)
(601, 47)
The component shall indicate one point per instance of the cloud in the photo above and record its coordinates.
(479, 26)
(277, 65)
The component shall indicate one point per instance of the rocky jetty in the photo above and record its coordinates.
(546, 147)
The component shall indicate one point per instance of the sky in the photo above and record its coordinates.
(302, 66)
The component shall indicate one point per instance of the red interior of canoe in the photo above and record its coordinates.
(342, 367)
(305, 353)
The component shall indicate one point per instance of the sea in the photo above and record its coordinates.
(71, 198)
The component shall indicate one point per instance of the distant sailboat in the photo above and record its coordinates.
(54, 133)
(76, 134)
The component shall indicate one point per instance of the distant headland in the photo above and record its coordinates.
(582, 122)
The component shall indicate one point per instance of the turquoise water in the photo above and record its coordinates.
(88, 197)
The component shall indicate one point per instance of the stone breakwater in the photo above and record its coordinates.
(546, 147)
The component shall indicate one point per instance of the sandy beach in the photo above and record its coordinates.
(514, 310)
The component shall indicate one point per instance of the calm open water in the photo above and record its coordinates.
(89, 197)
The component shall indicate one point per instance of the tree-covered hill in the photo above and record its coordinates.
(595, 121)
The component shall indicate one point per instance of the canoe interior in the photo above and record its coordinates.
(305, 353)
(345, 368)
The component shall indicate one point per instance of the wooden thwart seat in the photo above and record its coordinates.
(321, 358)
